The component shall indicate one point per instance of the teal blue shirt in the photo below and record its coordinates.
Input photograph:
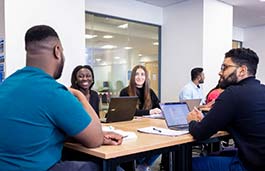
(36, 115)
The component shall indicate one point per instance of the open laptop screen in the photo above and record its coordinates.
(175, 113)
(121, 108)
(192, 103)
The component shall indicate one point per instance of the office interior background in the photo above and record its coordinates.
(169, 37)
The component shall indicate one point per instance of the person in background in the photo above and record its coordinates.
(211, 97)
(240, 110)
(82, 79)
(33, 128)
(193, 90)
(148, 104)
(214, 93)
(139, 86)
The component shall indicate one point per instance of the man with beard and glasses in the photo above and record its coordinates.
(193, 90)
(240, 110)
(38, 113)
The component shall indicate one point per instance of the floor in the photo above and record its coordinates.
(156, 165)
(196, 152)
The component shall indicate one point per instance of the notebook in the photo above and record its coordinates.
(192, 103)
(175, 114)
(121, 109)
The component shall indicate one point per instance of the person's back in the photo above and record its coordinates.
(37, 113)
(249, 113)
(29, 129)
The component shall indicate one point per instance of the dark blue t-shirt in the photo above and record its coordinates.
(36, 115)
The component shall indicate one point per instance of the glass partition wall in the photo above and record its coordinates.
(114, 46)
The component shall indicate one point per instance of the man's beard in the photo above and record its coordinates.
(201, 81)
(230, 80)
(58, 74)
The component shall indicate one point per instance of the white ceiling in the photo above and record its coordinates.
(247, 13)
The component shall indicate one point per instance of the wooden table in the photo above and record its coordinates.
(143, 145)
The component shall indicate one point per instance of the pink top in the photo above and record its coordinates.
(213, 95)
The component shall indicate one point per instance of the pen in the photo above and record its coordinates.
(158, 130)
(196, 109)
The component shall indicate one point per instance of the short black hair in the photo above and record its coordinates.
(39, 33)
(74, 73)
(244, 56)
(195, 72)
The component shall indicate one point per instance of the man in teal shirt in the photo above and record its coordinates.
(38, 113)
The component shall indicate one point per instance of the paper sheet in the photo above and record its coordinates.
(155, 116)
(162, 131)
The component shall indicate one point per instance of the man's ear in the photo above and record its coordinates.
(57, 51)
(243, 70)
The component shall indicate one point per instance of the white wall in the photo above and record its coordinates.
(182, 37)
(2, 19)
(238, 34)
(2, 36)
(217, 39)
(128, 9)
(181, 46)
(254, 38)
(68, 19)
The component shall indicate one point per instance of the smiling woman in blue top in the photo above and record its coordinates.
(33, 129)
(139, 86)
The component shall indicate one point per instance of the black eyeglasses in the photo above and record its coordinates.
(224, 67)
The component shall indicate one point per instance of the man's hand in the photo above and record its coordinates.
(195, 115)
(111, 138)
(206, 107)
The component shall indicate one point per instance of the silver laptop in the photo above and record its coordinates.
(192, 103)
(175, 114)
(121, 109)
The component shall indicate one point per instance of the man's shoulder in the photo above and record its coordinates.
(188, 86)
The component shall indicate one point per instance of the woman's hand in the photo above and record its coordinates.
(155, 111)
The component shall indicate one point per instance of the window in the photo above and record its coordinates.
(114, 46)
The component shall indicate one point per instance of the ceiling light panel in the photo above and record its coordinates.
(107, 36)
